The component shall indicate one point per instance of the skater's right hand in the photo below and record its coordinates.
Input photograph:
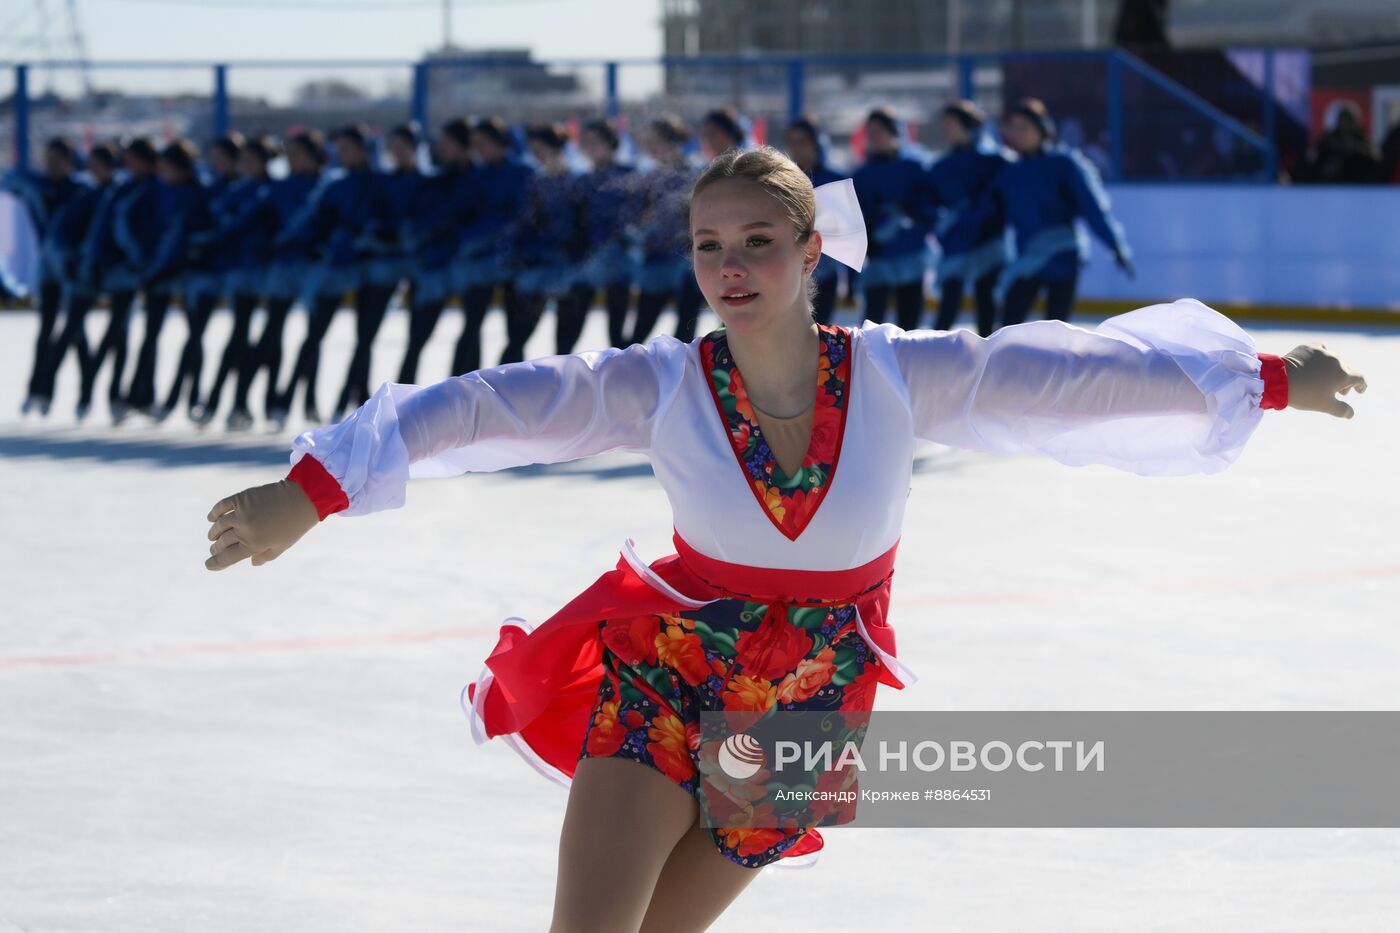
(260, 522)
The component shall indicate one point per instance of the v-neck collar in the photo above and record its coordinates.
(789, 502)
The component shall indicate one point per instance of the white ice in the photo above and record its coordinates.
(281, 748)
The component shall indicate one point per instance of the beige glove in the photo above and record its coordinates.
(260, 522)
(1316, 376)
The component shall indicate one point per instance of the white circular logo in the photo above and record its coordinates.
(741, 756)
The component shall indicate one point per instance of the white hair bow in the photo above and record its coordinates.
(841, 223)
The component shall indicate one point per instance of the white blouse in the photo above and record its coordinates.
(1168, 389)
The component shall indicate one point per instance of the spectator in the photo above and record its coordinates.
(1344, 155)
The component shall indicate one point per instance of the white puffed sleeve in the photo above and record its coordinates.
(1165, 390)
(546, 410)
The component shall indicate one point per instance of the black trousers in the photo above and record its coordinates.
(308, 364)
(950, 302)
(908, 303)
(238, 352)
(523, 313)
(1059, 298)
(476, 301)
(422, 321)
(618, 297)
(77, 303)
(141, 394)
(688, 300)
(267, 354)
(50, 300)
(371, 303)
(197, 313)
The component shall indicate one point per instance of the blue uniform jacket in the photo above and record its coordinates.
(437, 216)
(958, 182)
(497, 195)
(548, 231)
(340, 213)
(124, 232)
(1048, 190)
(895, 199)
(182, 212)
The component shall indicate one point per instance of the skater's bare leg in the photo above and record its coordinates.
(697, 883)
(623, 819)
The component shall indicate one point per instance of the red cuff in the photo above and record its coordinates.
(1274, 371)
(325, 492)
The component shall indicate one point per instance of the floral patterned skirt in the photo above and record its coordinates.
(662, 671)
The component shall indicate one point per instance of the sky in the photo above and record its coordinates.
(210, 30)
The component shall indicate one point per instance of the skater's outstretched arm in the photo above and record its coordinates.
(545, 410)
(1169, 389)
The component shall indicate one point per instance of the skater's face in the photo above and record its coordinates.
(716, 138)
(546, 155)
(487, 148)
(403, 152)
(802, 149)
(596, 148)
(953, 131)
(101, 170)
(879, 140)
(1021, 134)
(748, 262)
(251, 165)
(452, 152)
(173, 174)
(351, 154)
(662, 149)
(221, 163)
(138, 166)
(301, 161)
(57, 165)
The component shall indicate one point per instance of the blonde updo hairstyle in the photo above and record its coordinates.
(781, 178)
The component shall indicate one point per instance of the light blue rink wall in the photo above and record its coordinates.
(1285, 247)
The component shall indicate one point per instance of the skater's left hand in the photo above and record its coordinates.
(1315, 377)
(260, 522)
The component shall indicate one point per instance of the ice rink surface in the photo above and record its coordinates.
(281, 748)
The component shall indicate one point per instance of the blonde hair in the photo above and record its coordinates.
(776, 174)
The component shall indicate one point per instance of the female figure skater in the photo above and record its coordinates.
(116, 251)
(974, 249)
(288, 265)
(226, 190)
(807, 146)
(665, 272)
(342, 212)
(242, 236)
(776, 596)
(499, 185)
(894, 196)
(545, 245)
(607, 197)
(432, 235)
(155, 240)
(199, 281)
(387, 263)
(1041, 194)
(63, 241)
(44, 196)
